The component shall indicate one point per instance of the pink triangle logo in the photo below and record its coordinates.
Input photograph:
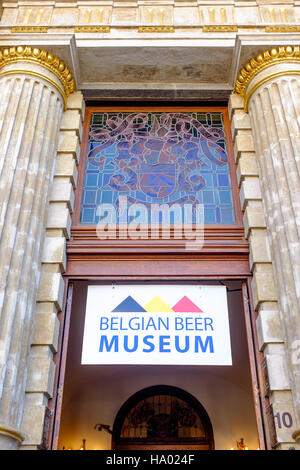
(186, 305)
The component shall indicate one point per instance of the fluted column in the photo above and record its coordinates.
(34, 86)
(270, 85)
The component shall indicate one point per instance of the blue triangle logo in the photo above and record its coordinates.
(129, 305)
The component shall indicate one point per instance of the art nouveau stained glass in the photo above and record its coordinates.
(162, 416)
(158, 158)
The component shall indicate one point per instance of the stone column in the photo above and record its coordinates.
(270, 85)
(34, 86)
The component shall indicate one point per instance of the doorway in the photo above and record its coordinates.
(95, 394)
(162, 418)
(90, 392)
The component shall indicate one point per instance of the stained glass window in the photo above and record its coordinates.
(162, 416)
(158, 158)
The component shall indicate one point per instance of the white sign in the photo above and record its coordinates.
(156, 324)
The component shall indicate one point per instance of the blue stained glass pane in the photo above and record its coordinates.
(90, 197)
(99, 196)
(210, 216)
(227, 216)
(106, 179)
(106, 197)
(208, 196)
(223, 180)
(162, 158)
(141, 196)
(225, 197)
(87, 216)
(208, 180)
(91, 180)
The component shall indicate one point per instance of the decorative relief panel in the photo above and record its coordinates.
(217, 15)
(277, 14)
(95, 15)
(34, 15)
(156, 15)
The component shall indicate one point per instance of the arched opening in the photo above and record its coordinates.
(162, 417)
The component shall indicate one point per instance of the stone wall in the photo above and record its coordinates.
(269, 325)
(51, 288)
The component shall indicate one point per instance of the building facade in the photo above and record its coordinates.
(63, 62)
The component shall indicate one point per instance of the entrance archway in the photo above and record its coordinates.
(162, 417)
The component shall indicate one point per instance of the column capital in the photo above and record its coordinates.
(16, 60)
(288, 57)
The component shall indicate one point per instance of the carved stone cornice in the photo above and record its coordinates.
(287, 54)
(43, 58)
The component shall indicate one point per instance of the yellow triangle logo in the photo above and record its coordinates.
(157, 305)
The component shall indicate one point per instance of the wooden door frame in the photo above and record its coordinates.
(54, 409)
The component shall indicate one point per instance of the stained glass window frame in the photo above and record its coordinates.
(157, 109)
(155, 392)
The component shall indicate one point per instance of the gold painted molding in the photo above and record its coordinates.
(11, 432)
(288, 54)
(282, 29)
(92, 29)
(29, 29)
(41, 57)
(156, 29)
(220, 29)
